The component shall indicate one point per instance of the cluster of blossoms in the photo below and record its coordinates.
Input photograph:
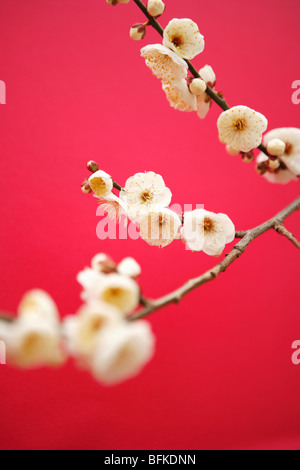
(240, 128)
(145, 199)
(99, 337)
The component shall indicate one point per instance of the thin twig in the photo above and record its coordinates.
(283, 231)
(247, 237)
(219, 100)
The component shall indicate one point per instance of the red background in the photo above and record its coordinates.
(77, 90)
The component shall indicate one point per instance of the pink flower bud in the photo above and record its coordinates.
(92, 166)
(137, 31)
(85, 187)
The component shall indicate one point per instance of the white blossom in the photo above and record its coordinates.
(164, 63)
(155, 8)
(37, 303)
(145, 191)
(204, 101)
(206, 231)
(291, 137)
(129, 267)
(81, 331)
(114, 207)
(179, 96)
(159, 227)
(114, 289)
(103, 263)
(183, 37)
(278, 176)
(101, 183)
(241, 128)
(122, 352)
(34, 342)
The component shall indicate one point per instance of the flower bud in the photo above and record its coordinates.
(276, 147)
(232, 151)
(273, 163)
(248, 156)
(103, 264)
(262, 168)
(112, 2)
(85, 187)
(198, 87)
(92, 166)
(155, 8)
(138, 31)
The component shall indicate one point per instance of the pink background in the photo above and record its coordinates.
(78, 90)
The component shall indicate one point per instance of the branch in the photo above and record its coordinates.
(219, 100)
(247, 237)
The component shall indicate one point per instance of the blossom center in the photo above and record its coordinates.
(146, 196)
(208, 225)
(240, 124)
(288, 149)
(177, 41)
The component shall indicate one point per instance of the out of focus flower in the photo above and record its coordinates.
(281, 175)
(145, 191)
(241, 128)
(101, 183)
(183, 37)
(103, 263)
(122, 352)
(137, 31)
(34, 338)
(114, 289)
(81, 331)
(204, 101)
(155, 8)
(207, 232)
(114, 207)
(129, 267)
(164, 63)
(179, 95)
(291, 137)
(159, 227)
(276, 147)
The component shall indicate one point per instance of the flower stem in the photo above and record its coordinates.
(220, 101)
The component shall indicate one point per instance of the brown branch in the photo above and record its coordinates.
(219, 100)
(283, 231)
(247, 237)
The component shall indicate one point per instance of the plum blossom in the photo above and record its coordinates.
(204, 101)
(129, 267)
(164, 63)
(159, 227)
(206, 231)
(34, 338)
(120, 291)
(179, 96)
(241, 128)
(101, 183)
(281, 175)
(122, 351)
(184, 38)
(115, 208)
(145, 191)
(291, 137)
(81, 330)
